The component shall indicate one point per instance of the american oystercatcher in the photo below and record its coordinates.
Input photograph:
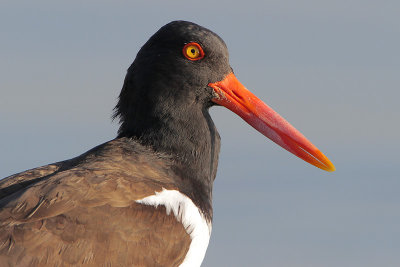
(144, 198)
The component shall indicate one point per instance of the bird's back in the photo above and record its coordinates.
(85, 211)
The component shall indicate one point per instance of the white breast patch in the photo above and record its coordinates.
(190, 216)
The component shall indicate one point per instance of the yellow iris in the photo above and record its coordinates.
(192, 51)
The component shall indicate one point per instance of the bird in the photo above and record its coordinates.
(143, 198)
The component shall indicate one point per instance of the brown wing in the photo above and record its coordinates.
(20, 180)
(86, 214)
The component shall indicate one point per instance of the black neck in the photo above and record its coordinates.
(186, 132)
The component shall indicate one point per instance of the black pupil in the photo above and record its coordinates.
(193, 51)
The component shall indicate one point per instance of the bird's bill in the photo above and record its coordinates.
(234, 96)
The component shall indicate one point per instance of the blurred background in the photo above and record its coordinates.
(331, 68)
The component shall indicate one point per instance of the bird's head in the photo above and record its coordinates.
(184, 68)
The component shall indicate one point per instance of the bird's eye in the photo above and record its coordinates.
(193, 51)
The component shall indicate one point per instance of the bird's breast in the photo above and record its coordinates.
(192, 219)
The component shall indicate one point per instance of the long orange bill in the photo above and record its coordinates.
(233, 95)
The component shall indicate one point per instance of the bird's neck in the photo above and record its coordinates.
(192, 141)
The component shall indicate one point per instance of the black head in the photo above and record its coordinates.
(166, 95)
(165, 99)
(162, 80)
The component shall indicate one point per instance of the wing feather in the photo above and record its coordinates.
(83, 212)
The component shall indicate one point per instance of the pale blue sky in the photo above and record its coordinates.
(331, 68)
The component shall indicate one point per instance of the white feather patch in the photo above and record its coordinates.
(190, 216)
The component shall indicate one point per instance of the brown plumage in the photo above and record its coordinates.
(83, 211)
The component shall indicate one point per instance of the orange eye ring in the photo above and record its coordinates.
(193, 51)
